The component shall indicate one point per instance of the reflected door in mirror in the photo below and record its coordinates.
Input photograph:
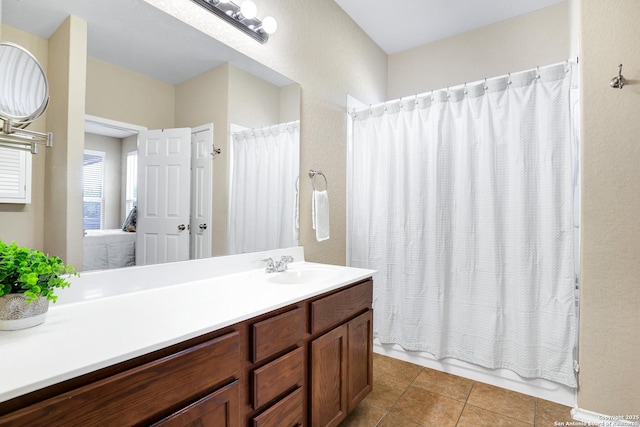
(163, 196)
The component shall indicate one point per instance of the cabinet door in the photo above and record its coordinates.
(219, 409)
(329, 378)
(360, 338)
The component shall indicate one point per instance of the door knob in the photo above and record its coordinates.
(181, 227)
(203, 226)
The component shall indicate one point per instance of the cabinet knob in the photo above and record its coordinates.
(182, 227)
(203, 226)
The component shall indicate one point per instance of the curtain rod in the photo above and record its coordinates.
(418, 96)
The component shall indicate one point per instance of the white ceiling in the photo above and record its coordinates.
(398, 25)
(135, 35)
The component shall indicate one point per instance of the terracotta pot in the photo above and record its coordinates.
(16, 314)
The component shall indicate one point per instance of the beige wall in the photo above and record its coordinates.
(253, 102)
(318, 46)
(536, 39)
(24, 223)
(201, 100)
(344, 60)
(224, 95)
(65, 118)
(111, 92)
(125, 96)
(610, 299)
(290, 103)
(609, 344)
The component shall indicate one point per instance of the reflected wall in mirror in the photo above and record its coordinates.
(147, 70)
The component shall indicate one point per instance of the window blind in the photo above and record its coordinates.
(15, 176)
(93, 190)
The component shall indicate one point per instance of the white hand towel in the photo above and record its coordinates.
(296, 216)
(320, 214)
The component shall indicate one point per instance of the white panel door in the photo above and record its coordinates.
(164, 158)
(201, 164)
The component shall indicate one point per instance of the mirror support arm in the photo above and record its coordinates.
(23, 139)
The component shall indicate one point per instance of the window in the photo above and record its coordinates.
(15, 176)
(132, 180)
(93, 186)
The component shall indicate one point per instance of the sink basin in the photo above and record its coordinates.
(299, 276)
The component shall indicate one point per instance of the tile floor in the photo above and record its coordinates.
(408, 395)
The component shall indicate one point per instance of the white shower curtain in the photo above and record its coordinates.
(262, 193)
(463, 200)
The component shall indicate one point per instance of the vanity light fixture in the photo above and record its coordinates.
(242, 17)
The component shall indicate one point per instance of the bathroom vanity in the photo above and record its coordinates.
(244, 348)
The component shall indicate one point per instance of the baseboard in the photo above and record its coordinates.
(498, 377)
(588, 418)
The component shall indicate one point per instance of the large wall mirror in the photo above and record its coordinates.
(156, 87)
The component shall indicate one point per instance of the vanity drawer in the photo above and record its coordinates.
(139, 394)
(277, 334)
(275, 378)
(288, 412)
(220, 408)
(340, 306)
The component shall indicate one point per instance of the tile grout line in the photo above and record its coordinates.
(411, 383)
(400, 396)
(465, 402)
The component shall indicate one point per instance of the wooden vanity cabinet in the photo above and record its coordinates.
(218, 409)
(359, 359)
(277, 371)
(188, 383)
(341, 360)
(307, 364)
(328, 392)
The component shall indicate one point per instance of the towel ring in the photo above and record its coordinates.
(313, 174)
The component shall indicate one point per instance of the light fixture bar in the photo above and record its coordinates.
(230, 12)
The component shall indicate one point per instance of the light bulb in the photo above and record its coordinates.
(269, 25)
(248, 9)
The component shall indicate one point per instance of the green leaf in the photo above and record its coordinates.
(29, 271)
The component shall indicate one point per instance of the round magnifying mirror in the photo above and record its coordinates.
(24, 90)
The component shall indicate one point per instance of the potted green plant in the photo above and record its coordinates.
(28, 280)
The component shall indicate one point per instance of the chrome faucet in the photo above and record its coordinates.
(278, 266)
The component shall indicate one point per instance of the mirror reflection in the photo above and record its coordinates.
(191, 150)
(26, 91)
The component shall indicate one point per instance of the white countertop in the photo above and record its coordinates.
(79, 337)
